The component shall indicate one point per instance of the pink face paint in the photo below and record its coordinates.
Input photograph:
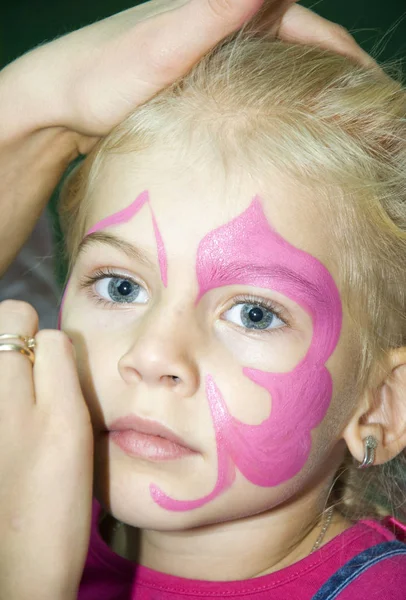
(161, 250)
(248, 251)
(225, 468)
(123, 216)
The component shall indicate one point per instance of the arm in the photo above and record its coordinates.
(57, 100)
(30, 168)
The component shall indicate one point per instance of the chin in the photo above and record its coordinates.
(129, 500)
(122, 486)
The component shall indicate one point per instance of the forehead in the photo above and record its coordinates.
(191, 197)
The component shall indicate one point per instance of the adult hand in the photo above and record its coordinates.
(57, 100)
(90, 79)
(46, 465)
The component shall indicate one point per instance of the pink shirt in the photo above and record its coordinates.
(108, 576)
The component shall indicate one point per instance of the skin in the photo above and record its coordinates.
(248, 252)
(127, 355)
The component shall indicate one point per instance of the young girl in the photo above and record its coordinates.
(236, 299)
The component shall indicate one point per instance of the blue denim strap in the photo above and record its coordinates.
(356, 566)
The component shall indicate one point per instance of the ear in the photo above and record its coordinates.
(381, 412)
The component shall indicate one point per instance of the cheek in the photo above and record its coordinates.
(274, 353)
(275, 450)
(99, 377)
(95, 360)
(279, 351)
(89, 358)
(245, 401)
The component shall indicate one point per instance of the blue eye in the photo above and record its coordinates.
(121, 290)
(254, 316)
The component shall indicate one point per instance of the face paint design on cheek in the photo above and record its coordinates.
(225, 470)
(123, 216)
(248, 251)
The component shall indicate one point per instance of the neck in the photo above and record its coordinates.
(240, 549)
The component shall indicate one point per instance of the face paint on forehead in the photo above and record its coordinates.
(248, 251)
(123, 216)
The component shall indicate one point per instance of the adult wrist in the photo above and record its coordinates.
(31, 166)
(30, 96)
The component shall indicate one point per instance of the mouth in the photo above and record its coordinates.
(147, 439)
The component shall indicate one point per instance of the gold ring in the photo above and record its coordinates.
(17, 348)
(28, 341)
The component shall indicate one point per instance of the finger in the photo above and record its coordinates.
(16, 379)
(268, 19)
(57, 387)
(187, 33)
(303, 26)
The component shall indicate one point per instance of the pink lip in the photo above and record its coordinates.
(147, 439)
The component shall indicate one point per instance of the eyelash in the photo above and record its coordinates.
(88, 281)
(267, 304)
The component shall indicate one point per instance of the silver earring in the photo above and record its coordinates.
(370, 443)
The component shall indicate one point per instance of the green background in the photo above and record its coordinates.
(26, 23)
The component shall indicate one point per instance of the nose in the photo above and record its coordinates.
(162, 357)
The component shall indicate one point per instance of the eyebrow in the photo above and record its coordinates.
(134, 253)
(283, 273)
(236, 272)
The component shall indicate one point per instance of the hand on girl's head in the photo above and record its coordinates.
(97, 62)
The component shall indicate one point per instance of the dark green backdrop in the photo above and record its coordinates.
(379, 26)
(25, 23)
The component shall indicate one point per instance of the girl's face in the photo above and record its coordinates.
(206, 308)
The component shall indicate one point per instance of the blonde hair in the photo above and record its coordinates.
(330, 124)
